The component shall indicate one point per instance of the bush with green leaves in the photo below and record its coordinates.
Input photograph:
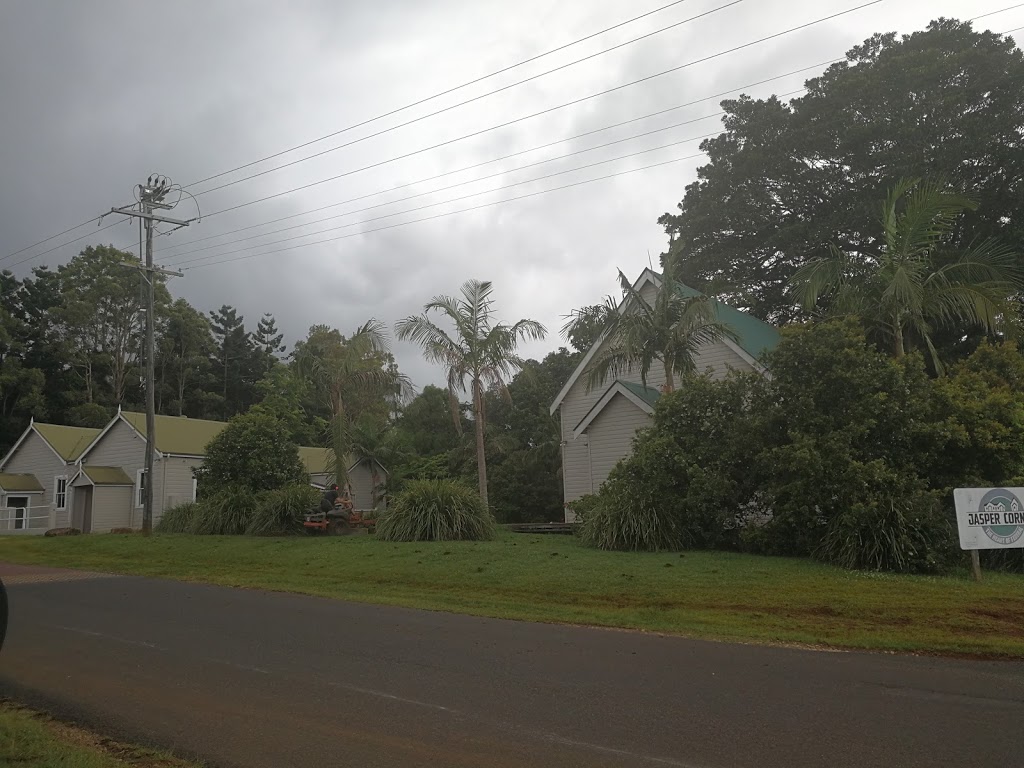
(179, 519)
(894, 524)
(235, 511)
(254, 451)
(436, 510)
(280, 512)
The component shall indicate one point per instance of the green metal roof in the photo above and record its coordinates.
(754, 335)
(317, 460)
(69, 442)
(19, 483)
(178, 434)
(107, 475)
(648, 394)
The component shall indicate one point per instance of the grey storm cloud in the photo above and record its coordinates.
(95, 96)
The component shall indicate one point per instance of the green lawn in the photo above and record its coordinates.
(31, 740)
(552, 578)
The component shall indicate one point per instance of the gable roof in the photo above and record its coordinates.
(642, 397)
(178, 435)
(754, 335)
(68, 442)
(106, 475)
(20, 483)
(318, 461)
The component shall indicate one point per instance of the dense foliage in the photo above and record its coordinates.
(844, 454)
(436, 510)
(254, 452)
(234, 511)
(785, 180)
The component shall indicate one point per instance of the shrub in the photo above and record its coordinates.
(179, 519)
(436, 510)
(253, 451)
(893, 525)
(280, 512)
(638, 508)
(583, 507)
(226, 513)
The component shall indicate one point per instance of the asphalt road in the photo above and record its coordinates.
(251, 679)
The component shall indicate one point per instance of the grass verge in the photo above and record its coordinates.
(715, 595)
(29, 739)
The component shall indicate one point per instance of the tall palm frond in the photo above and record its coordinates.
(479, 352)
(903, 292)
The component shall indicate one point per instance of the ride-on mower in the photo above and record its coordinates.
(336, 517)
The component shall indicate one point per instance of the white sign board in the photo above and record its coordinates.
(990, 518)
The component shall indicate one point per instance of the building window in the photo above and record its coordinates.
(140, 488)
(60, 492)
(195, 488)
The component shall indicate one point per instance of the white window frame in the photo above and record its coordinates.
(139, 488)
(195, 488)
(57, 493)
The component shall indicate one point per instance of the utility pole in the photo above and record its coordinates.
(151, 197)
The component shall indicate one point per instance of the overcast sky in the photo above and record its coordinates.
(96, 95)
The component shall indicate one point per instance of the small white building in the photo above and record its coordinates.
(35, 477)
(598, 425)
(94, 479)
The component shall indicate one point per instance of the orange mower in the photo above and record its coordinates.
(342, 520)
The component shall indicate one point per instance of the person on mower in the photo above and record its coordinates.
(329, 499)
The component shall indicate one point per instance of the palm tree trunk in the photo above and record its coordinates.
(481, 459)
(898, 333)
(340, 444)
(670, 383)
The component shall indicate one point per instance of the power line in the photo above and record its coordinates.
(511, 155)
(463, 85)
(58, 247)
(550, 109)
(444, 189)
(994, 13)
(438, 112)
(467, 101)
(449, 213)
(48, 239)
(450, 200)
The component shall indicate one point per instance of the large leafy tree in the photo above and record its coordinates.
(183, 359)
(786, 180)
(347, 372)
(667, 331)
(254, 453)
(479, 350)
(102, 316)
(912, 284)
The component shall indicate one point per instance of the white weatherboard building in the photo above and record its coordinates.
(93, 479)
(598, 425)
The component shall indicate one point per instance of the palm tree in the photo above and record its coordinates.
(915, 284)
(482, 352)
(639, 333)
(346, 370)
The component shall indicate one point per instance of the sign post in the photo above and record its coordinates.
(989, 518)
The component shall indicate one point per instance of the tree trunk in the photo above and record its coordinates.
(481, 458)
(340, 446)
(670, 383)
(900, 350)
